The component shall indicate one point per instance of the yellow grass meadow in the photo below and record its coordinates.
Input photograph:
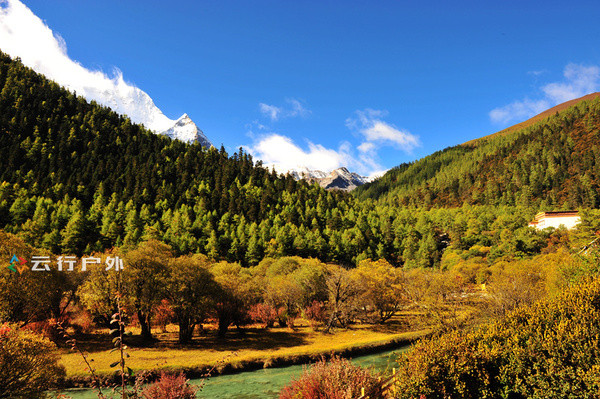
(253, 345)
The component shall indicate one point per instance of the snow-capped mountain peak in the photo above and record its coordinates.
(139, 107)
(340, 179)
(186, 130)
(302, 172)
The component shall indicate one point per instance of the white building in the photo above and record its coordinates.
(568, 219)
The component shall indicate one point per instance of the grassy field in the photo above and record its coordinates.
(237, 348)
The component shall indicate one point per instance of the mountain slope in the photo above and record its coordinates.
(553, 162)
(137, 105)
(529, 122)
(48, 55)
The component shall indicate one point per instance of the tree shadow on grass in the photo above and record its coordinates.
(399, 323)
(253, 339)
(235, 340)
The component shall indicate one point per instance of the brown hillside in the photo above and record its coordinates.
(537, 118)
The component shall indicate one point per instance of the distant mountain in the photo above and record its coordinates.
(186, 130)
(550, 161)
(136, 104)
(303, 173)
(338, 179)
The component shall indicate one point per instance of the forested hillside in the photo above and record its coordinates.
(76, 177)
(550, 164)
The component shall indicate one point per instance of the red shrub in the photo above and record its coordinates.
(4, 330)
(336, 379)
(45, 328)
(316, 313)
(170, 386)
(263, 313)
(164, 315)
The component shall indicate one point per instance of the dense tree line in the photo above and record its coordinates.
(76, 178)
(345, 231)
(195, 289)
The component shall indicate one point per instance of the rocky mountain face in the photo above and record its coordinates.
(338, 179)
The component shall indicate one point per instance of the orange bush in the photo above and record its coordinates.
(170, 386)
(336, 379)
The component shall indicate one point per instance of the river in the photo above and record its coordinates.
(260, 384)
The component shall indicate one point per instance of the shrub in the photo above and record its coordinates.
(316, 313)
(163, 315)
(28, 364)
(170, 386)
(45, 328)
(263, 313)
(336, 379)
(452, 365)
(82, 321)
(548, 350)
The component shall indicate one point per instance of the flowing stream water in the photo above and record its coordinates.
(261, 384)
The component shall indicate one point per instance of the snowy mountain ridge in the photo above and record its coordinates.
(136, 104)
(302, 172)
(338, 179)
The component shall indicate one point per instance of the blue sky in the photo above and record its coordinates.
(370, 84)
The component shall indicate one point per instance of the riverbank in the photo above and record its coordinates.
(262, 383)
(251, 350)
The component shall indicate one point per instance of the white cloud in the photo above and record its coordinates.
(381, 131)
(24, 35)
(282, 153)
(579, 80)
(377, 132)
(518, 110)
(271, 111)
(297, 109)
(366, 147)
(294, 108)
